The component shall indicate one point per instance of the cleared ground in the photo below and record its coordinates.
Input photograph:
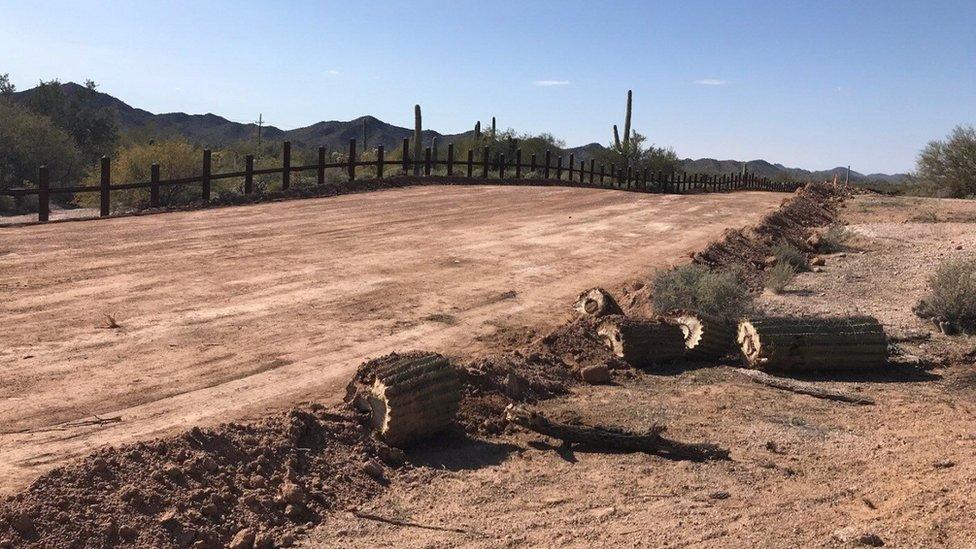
(804, 472)
(122, 329)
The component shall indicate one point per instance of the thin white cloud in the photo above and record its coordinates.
(711, 82)
(551, 83)
(332, 72)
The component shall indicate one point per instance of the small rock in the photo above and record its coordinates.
(286, 540)
(959, 247)
(23, 523)
(943, 464)
(770, 261)
(292, 493)
(373, 469)
(817, 269)
(818, 262)
(168, 518)
(263, 541)
(720, 494)
(391, 455)
(604, 512)
(870, 539)
(128, 533)
(815, 241)
(257, 481)
(294, 512)
(596, 374)
(173, 471)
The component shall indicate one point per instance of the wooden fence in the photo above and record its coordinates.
(484, 167)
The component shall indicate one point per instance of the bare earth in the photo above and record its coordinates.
(167, 321)
(804, 472)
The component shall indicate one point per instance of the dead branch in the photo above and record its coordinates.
(613, 439)
(396, 522)
(803, 388)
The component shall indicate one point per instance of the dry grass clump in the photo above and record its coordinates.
(835, 238)
(779, 276)
(698, 289)
(951, 302)
(784, 252)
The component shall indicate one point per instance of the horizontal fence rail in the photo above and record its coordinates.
(475, 163)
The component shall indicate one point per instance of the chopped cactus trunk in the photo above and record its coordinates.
(643, 342)
(779, 344)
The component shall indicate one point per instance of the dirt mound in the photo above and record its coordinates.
(266, 481)
(814, 205)
(546, 367)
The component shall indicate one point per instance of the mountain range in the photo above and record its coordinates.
(215, 131)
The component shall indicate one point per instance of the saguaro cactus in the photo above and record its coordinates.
(364, 134)
(433, 147)
(417, 145)
(493, 128)
(616, 136)
(477, 129)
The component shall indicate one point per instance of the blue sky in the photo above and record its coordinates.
(808, 84)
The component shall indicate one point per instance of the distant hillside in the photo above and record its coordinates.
(779, 171)
(215, 131)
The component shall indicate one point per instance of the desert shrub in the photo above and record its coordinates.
(835, 238)
(696, 288)
(952, 295)
(949, 166)
(176, 158)
(784, 252)
(779, 276)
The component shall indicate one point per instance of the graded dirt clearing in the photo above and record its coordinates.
(158, 323)
(804, 472)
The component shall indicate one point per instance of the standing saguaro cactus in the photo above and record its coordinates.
(433, 148)
(616, 136)
(492, 128)
(477, 129)
(417, 145)
(364, 134)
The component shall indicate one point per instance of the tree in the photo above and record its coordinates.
(27, 141)
(950, 166)
(638, 155)
(92, 127)
(6, 87)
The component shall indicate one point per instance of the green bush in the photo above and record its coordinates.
(784, 252)
(952, 295)
(697, 289)
(779, 276)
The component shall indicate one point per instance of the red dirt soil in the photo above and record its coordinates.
(192, 318)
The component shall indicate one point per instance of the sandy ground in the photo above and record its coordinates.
(804, 472)
(121, 329)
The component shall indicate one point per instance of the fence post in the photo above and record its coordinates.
(320, 172)
(154, 185)
(601, 173)
(427, 161)
(545, 170)
(518, 163)
(501, 166)
(405, 159)
(104, 184)
(450, 159)
(249, 174)
(352, 159)
(484, 160)
(470, 163)
(205, 176)
(592, 170)
(43, 194)
(379, 162)
(572, 163)
(559, 168)
(285, 165)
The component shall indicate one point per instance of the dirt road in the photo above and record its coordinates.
(167, 321)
